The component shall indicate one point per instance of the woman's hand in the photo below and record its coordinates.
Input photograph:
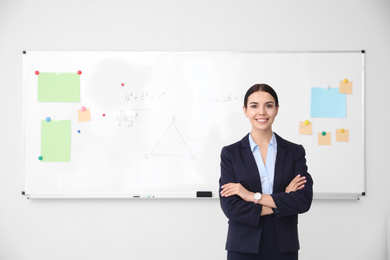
(231, 189)
(296, 184)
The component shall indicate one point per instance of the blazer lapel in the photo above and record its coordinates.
(279, 164)
(250, 162)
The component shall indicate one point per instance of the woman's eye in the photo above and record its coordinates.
(269, 106)
(254, 106)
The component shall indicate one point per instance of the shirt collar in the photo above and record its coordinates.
(254, 145)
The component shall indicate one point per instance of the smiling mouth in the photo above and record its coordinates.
(262, 120)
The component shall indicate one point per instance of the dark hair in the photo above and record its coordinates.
(261, 87)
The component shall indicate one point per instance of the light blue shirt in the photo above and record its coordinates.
(267, 171)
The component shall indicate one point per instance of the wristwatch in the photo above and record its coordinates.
(257, 197)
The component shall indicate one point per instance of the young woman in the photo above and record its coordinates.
(264, 185)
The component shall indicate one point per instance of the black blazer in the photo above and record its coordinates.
(239, 166)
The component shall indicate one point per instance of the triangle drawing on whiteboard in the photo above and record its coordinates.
(172, 143)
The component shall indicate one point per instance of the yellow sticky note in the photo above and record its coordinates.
(345, 87)
(324, 139)
(342, 136)
(305, 129)
(84, 116)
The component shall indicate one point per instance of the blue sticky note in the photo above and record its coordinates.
(327, 103)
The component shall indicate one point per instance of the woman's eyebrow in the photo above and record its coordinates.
(254, 102)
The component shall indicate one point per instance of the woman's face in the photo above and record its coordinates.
(261, 110)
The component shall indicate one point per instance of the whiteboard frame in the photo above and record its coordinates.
(110, 195)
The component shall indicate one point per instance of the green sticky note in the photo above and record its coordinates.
(55, 141)
(58, 87)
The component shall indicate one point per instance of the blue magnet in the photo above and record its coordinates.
(48, 119)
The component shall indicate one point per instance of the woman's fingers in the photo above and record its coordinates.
(228, 189)
(231, 189)
(296, 184)
(298, 180)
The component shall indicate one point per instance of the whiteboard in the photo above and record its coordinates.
(158, 120)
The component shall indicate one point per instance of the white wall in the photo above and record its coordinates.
(187, 229)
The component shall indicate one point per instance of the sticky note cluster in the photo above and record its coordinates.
(342, 135)
(56, 134)
(328, 103)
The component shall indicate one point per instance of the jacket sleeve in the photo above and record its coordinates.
(299, 201)
(235, 208)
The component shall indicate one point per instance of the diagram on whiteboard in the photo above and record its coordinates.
(171, 143)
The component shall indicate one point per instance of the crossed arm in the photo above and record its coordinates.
(266, 200)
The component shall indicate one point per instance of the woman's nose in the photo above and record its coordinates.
(261, 111)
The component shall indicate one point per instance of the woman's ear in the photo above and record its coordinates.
(277, 110)
(245, 110)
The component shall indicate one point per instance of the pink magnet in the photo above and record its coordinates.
(104, 114)
(83, 108)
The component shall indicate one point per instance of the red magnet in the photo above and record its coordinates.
(79, 72)
(104, 114)
(36, 72)
(123, 84)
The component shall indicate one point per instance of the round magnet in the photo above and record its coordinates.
(307, 122)
(345, 81)
(323, 133)
(48, 119)
(36, 72)
(342, 130)
(79, 72)
(83, 108)
(40, 158)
